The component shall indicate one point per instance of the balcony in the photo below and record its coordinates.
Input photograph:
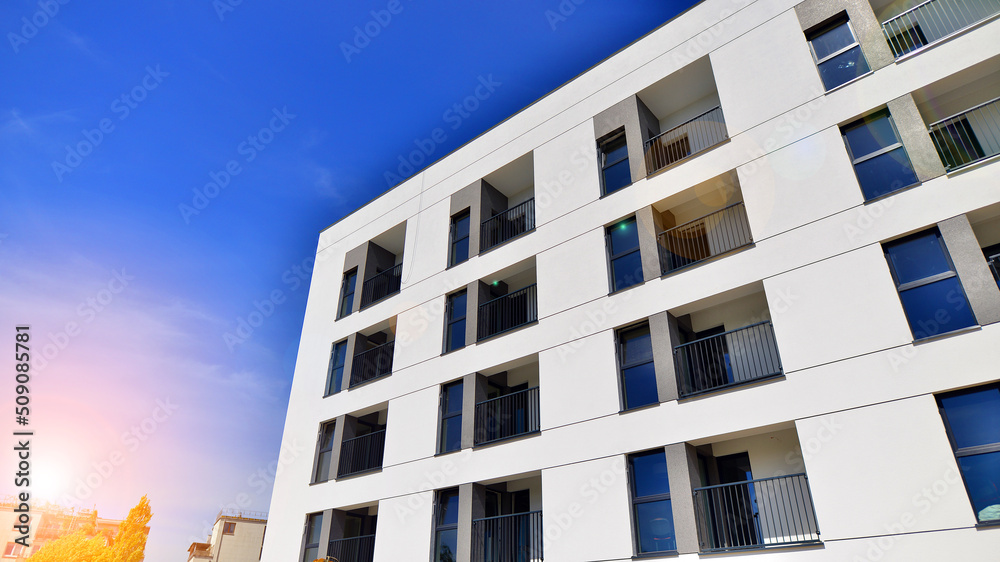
(361, 454)
(685, 140)
(728, 359)
(356, 549)
(508, 538)
(507, 225)
(381, 285)
(756, 514)
(969, 136)
(513, 310)
(705, 237)
(372, 364)
(933, 21)
(507, 416)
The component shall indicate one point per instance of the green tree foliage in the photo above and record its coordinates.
(129, 545)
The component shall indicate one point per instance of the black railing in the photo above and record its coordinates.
(507, 416)
(969, 136)
(372, 364)
(728, 359)
(381, 285)
(934, 20)
(508, 224)
(994, 263)
(508, 538)
(711, 235)
(356, 549)
(756, 514)
(510, 311)
(361, 454)
(685, 140)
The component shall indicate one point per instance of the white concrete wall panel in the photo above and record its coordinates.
(579, 379)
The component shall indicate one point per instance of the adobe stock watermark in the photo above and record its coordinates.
(249, 149)
(433, 480)
(225, 7)
(590, 492)
(365, 33)
(30, 26)
(454, 116)
(562, 12)
(122, 107)
(292, 279)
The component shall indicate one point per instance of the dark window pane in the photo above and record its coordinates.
(340, 354)
(650, 473)
(640, 386)
(323, 467)
(885, 173)
(871, 136)
(974, 418)
(843, 68)
(456, 335)
(315, 527)
(636, 346)
(448, 508)
(655, 523)
(451, 434)
(460, 251)
(453, 399)
(615, 150)
(617, 177)
(982, 478)
(937, 308)
(462, 227)
(312, 553)
(458, 306)
(446, 547)
(626, 271)
(832, 41)
(335, 381)
(623, 236)
(326, 443)
(917, 258)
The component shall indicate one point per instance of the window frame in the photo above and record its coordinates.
(444, 415)
(452, 231)
(622, 366)
(306, 545)
(898, 145)
(602, 154)
(450, 319)
(321, 450)
(825, 28)
(961, 452)
(13, 550)
(612, 257)
(228, 528)
(442, 527)
(635, 501)
(330, 380)
(345, 294)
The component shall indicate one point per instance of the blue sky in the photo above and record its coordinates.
(166, 169)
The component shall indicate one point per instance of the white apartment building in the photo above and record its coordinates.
(727, 293)
(237, 536)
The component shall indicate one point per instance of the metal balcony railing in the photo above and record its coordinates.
(728, 359)
(508, 538)
(994, 263)
(685, 140)
(704, 237)
(508, 224)
(933, 21)
(381, 285)
(355, 549)
(969, 136)
(372, 364)
(510, 311)
(507, 416)
(361, 454)
(756, 514)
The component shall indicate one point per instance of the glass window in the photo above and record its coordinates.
(651, 509)
(615, 172)
(454, 337)
(451, 417)
(928, 286)
(314, 527)
(446, 527)
(459, 238)
(325, 453)
(623, 252)
(880, 161)
(229, 528)
(347, 293)
(837, 54)
(335, 374)
(972, 418)
(635, 362)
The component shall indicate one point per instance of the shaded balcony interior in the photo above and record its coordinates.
(962, 114)
(364, 441)
(507, 519)
(383, 266)
(509, 211)
(702, 222)
(373, 350)
(911, 25)
(750, 495)
(684, 116)
(724, 341)
(507, 403)
(986, 227)
(508, 300)
(352, 533)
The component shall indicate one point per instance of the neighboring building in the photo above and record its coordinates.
(727, 291)
(237, 536)
(49, 522)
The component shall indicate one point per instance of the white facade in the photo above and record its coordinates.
(854, 403)
(236, 537)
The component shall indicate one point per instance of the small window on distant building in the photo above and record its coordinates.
(837, 53)
(228, 528)
(13, 550)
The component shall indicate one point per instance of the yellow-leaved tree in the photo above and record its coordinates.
(129, 544)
